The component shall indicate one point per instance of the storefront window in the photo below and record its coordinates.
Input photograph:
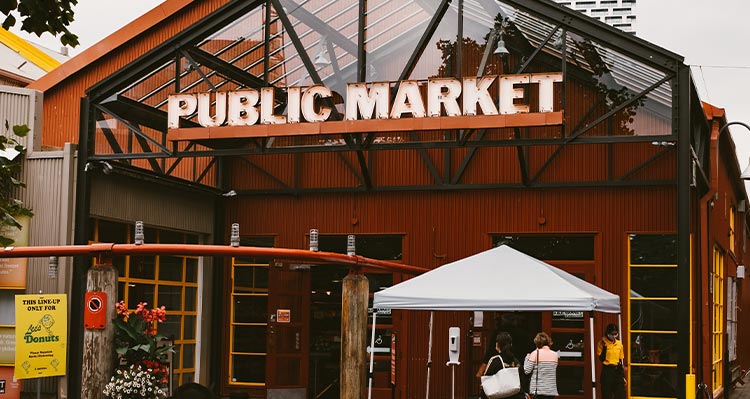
(654, 353)
(161, 280)
(717, 320)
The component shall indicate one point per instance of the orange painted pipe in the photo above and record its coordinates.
(110, 249)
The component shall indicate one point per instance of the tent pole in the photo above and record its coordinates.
(593, 354)
(372, 353)
(429, 358)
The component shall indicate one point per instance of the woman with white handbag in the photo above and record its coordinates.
(501, 378)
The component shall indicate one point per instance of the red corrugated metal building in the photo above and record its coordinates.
(576, 143)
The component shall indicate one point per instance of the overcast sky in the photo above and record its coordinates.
(712, 35)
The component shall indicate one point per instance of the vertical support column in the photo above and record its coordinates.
(80, 263)
(354, 295)
(98, 345)
(684, 166)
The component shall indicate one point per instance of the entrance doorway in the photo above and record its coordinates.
(325, 331)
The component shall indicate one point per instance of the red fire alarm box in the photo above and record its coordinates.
(95, 310)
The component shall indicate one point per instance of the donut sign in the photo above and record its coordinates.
(95, 311)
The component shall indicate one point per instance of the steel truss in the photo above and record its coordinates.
(146, 124)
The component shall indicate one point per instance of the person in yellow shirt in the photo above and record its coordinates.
(610, 351)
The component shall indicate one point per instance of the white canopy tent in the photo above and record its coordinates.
(473, 284)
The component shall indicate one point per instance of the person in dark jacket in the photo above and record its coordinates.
(504, 346)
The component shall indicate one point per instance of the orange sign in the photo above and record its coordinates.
(10, 388)
(95, 310)
(13, 270)
(283, 315)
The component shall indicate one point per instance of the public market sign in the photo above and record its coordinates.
(445, 97)
(41, 335)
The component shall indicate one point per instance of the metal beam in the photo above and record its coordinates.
(137, 131)
(609, 114)
(630, 45)
(424, 40)
(461, 187)
(230, 71)
(164, 53)
(682, 102)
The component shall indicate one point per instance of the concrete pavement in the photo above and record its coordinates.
(741, 391)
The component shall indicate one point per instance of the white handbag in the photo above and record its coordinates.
(502, 384)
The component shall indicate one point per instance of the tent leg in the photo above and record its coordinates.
(429, 358)
(372, 354)
(593, 355)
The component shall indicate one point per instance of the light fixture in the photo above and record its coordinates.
(52, 268)
(234, 239)
(351, 248)
(138, 237)
(230, 193)
(314, 240)
(746, 173)
(107, 167)
(321, 59)
(501, 50)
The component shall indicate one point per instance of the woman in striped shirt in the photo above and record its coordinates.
(542, 365)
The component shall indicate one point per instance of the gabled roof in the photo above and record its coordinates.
(110, 43)
(23, 61)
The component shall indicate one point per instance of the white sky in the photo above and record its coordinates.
(712, 35)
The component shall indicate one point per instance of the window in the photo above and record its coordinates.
(717, 319)
(653, 297)
(732, 317)
(732, 218)
(550, 247)
(161, 280)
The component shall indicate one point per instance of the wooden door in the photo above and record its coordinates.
(570, 334)
(288, 332)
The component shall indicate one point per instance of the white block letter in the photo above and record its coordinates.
(408, 99)
(180, 105)
(359, 99)
(443, 91)
(476, 93)
(242, 108)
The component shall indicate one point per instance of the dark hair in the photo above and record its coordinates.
(542, 339)
(503, 339)
(611, 327)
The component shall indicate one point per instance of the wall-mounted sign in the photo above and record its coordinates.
(283, 315)
(447, 97)
(13, 270)
(95, 310)
(567, 315)
(7, 345)
(10, 388)
(41, 335)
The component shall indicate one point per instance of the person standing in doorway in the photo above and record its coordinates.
(542, 365)
(610, 352)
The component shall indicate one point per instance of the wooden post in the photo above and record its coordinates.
(98, 345)
(354, 296)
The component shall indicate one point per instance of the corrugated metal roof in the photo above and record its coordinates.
(23, 58)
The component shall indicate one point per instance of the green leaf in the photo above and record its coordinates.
(21, 130)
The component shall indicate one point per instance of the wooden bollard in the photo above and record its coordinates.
(354, 295)
(98, 344)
